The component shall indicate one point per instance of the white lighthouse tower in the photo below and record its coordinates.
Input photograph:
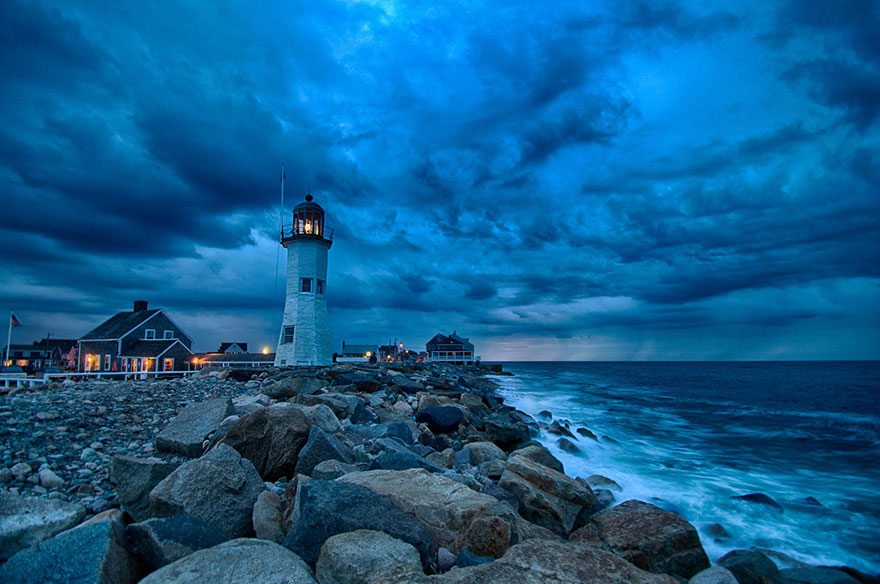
(305, 331)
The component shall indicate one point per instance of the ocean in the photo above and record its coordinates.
(688, 436)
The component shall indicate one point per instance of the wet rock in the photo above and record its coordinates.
(26, 521)
(717, 531)
(455, 516)
(186, 432)
(234, 562)
(94, 553)
(159, 542)
(603, 482)
(713, 575)
(560, 430)
(327, 508)
(812, 501)
(134, 479)
(604, 500)
(321, 446)
(221, 487)
(542, 456)
(586, 433)
(749, 567)
(271, 438)
(506, 432)
(546, 497)
(440, 419)
(363, 556)
(267, 517)
(649, 537)
(546, 414)
(553, 562)
(760, 499)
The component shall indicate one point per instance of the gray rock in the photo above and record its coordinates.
(482, 452)
(445, 560)
(186, 433)
(271, 438)
(603, 482)
(291, 386)
(91, 554)
(501, 494)
(541, 455)
(221, 487)
(50, 480)
(363, 556)
(393, 430)
(505, 431)
(713, 575)
(234, 562)
(21, 471)
(322, 416)
(361, 381)
(331, 469)
(440, 419)
(134, 479)
(319, 447)
(567, 445)
(159, 542)
(327, 508)
(748, 567)
(267, 517)
(652, 539)
(26, 521)
(402, 460)
(467, 558)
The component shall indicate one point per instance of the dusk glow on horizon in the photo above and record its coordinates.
(559, 181)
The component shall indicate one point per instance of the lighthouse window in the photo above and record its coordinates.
(288, 335)
(306, 284)
(320, 287)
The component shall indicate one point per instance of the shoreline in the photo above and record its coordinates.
(445, 427)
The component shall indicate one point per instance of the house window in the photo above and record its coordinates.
(306, 284)
(150, 334)
(288, 335)
(106, 362)
(169, 363)
(169, 334)
(97, 363)
(320, 287)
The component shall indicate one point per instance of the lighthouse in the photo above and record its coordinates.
(305, 332)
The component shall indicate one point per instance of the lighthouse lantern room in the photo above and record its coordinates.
(304, 338)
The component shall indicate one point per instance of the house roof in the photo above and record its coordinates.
(225, 346)
(151, 348)
(119, 324)
(452, 339)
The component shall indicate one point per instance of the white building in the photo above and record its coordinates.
(305, 331)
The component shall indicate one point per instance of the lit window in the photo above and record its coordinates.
(288, 335)
(169, 334)
(320, 287)
(149, 334)
(306, 284)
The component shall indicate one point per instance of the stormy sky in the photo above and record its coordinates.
(561, 180)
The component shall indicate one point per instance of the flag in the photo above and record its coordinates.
(13, 320)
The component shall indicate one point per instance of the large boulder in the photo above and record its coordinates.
(92, 554)
(186, 432)
(546, 497)
(505, 431)
(290, 386)
(749, 566)
(321, 446)
(26, 521)
(271, 438)
(456, 516)
(236, 561)
(440, 419)
(362, 556)
(221, 487)
(322, 416)
(649, 537)
(541, 455)
(480, 452)
(267, 517)
(134, 479)
(553, 562)
(158, 542)
(326, 508)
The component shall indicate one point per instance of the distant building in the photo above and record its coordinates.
(233, 348)
(450, 349)
(358, 353)
(56, 353)
(136, 340)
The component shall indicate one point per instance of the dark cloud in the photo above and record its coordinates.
(641, 172)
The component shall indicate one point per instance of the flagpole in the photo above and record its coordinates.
(281, 214)
(8, 339)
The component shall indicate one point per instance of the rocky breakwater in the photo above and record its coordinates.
(339, 475)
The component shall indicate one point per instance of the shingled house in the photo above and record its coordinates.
(450, 349)
(137, 340)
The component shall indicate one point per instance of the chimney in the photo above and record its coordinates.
(140, 305)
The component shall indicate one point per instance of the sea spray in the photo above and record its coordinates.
(690, 437)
